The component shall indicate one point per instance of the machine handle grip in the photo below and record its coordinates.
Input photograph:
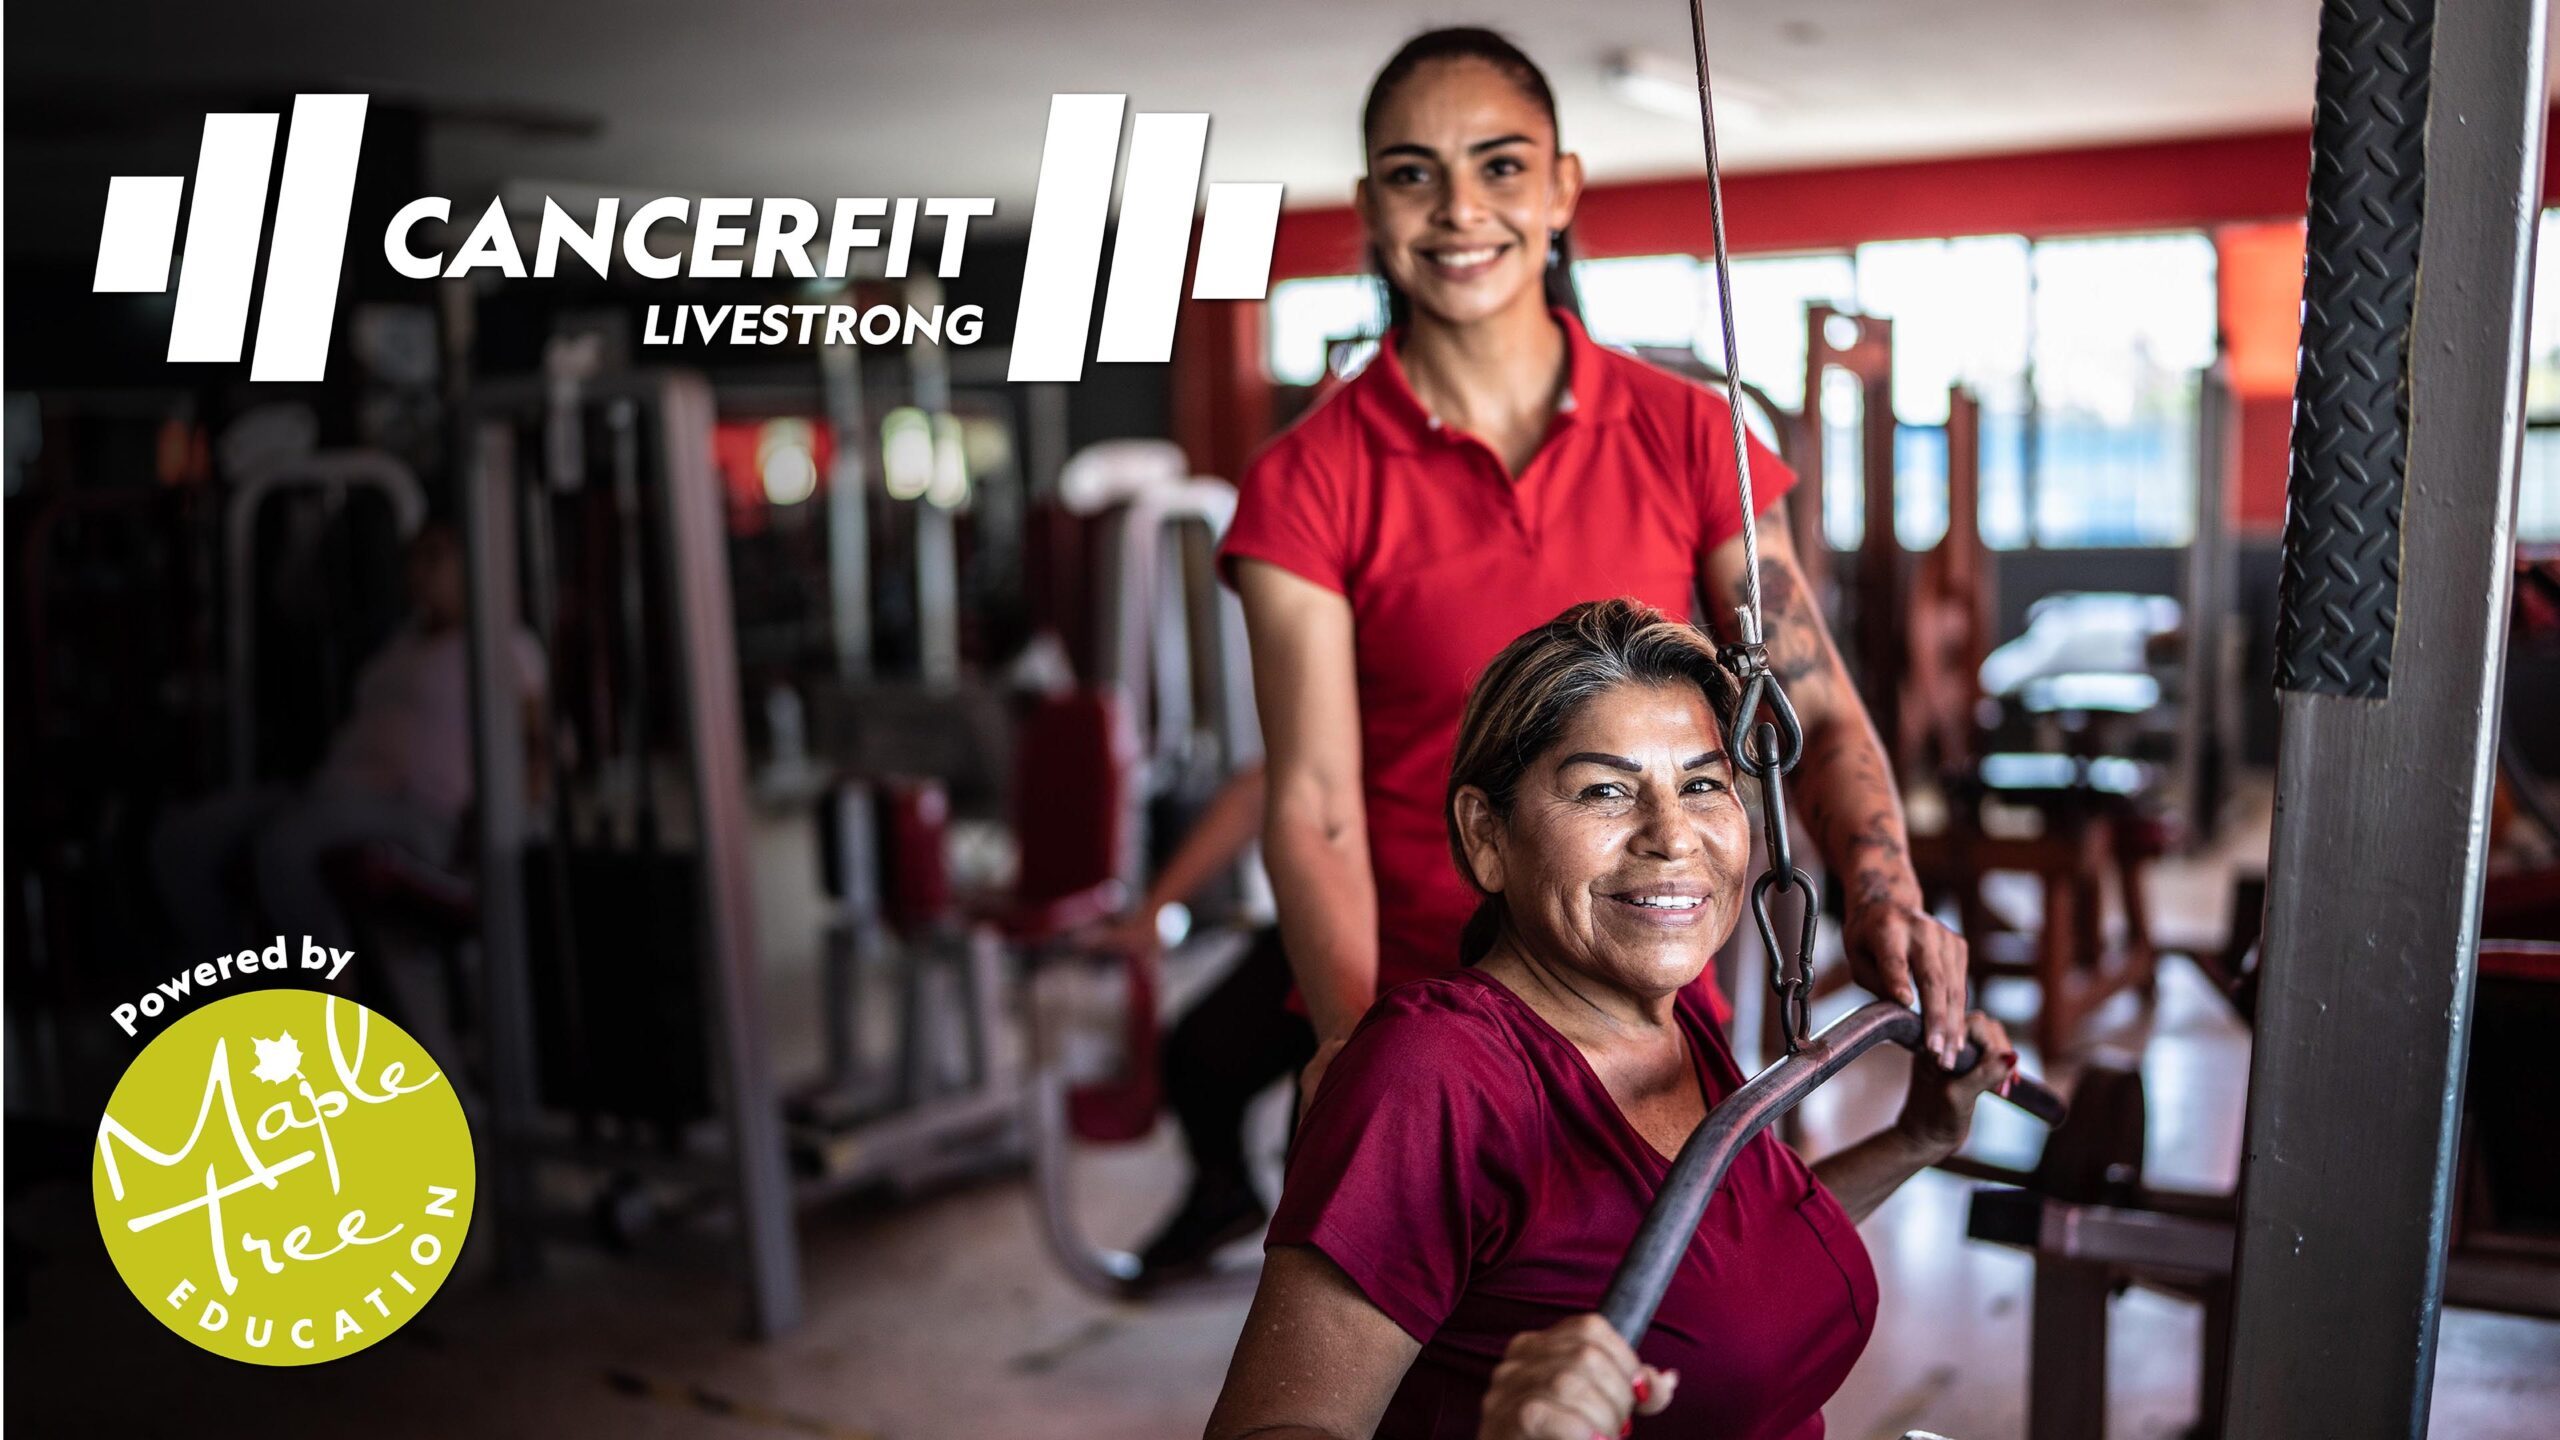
(1636, 1290)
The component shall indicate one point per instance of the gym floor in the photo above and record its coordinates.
(644, 1346)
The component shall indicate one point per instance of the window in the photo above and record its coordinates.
(2084, 355)
(1770, 294)
(1307, 318)
(1959, 310)
(2121, 326)
(1645, 300)
(1960, 316)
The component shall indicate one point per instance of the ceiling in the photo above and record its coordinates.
(949, 97)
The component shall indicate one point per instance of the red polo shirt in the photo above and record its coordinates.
(1446, 558)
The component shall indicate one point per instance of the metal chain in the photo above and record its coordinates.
(1790, 971)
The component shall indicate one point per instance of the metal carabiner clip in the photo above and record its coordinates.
(1790, 975)
(1761, 688)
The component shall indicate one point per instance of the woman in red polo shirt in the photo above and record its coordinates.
(1489, 468)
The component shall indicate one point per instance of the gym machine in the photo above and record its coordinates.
(941, 1093)
(413, 913)
(330, 482)
(1921, 628)
(2095, 1228)
(2406, 441)
(1867, 608)
(2360, 1207)
(673, 1033)
(1172, 641)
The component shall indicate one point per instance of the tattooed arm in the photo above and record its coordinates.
(1844, 792)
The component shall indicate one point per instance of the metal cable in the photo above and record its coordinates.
(1749, 612)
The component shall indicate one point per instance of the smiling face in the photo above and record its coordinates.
(1464, 187)
(1625, 850)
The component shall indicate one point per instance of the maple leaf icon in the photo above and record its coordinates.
(279, 1059)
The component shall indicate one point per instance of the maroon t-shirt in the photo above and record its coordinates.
(1465, 1166)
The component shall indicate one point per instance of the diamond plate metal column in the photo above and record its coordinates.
(2426, 170)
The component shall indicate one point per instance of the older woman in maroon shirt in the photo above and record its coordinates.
(1480, 1153)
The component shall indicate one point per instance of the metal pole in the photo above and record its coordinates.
(2205, 717)
(2067, 1351)
(707, 697)
(1881, 583)
(848, 511)
(498, 744)
(2426, 171)
(937, 530)
(1805, 512)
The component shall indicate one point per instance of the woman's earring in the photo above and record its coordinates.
(1555, 248)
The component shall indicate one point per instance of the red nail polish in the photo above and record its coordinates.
(1644, 1392)
(1626, 1430)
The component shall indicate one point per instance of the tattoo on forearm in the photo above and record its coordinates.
(1793, 631)
(1853, 816)
(1879, 860)
(1846, 796)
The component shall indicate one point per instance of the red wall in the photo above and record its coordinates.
(1221, 401)
(2260, 278)
(2155, 186)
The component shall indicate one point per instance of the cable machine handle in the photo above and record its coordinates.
(1635, 1292)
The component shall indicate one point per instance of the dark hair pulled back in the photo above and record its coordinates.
(1522, 703)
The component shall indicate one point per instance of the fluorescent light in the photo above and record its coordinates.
(786, 457)
(949, 487)
(906, 453)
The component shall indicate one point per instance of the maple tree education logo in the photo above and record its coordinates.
(294, 1210)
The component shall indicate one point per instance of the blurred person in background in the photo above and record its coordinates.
(1228, 1047)
(398, 770)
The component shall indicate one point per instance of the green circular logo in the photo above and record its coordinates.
(283, 1177)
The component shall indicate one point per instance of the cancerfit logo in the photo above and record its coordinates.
(223, 224)
(1159, 198)
(283, 1177)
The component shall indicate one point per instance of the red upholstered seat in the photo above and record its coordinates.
(1075, 759)
(1075, 764)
